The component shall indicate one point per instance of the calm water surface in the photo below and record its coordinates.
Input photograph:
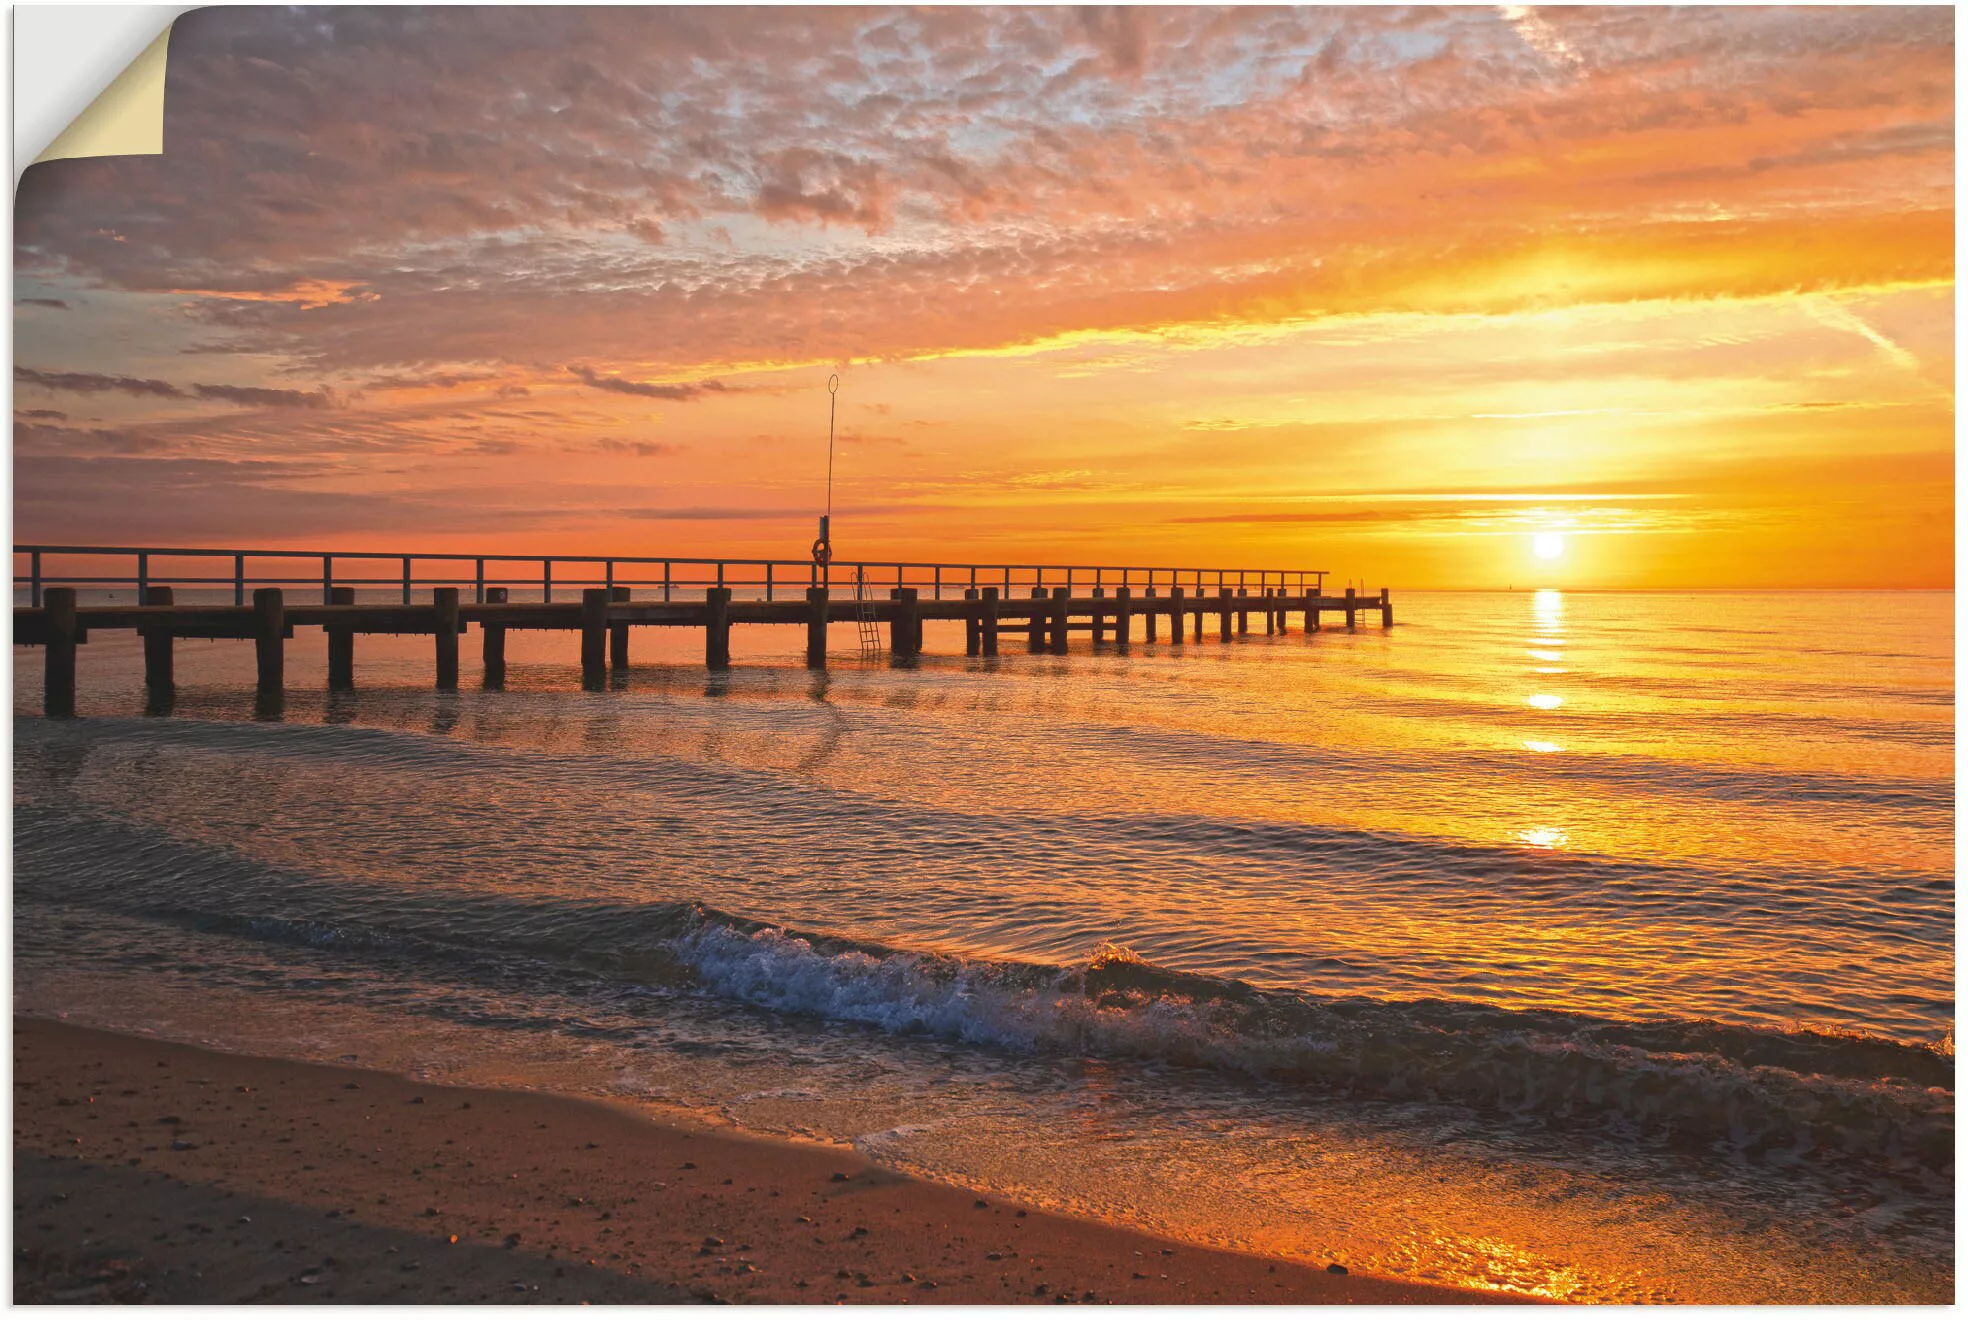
(1596, 945)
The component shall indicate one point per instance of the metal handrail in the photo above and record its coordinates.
(866, 574)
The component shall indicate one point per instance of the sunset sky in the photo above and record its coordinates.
(1385, 292)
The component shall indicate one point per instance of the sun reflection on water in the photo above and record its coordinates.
(1548, 616)
(1544, 837)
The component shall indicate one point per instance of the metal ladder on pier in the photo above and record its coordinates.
(866, 622)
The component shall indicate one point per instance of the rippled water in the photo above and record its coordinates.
(1595, 945)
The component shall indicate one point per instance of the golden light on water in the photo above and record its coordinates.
(1544, 837)
(1548, 611)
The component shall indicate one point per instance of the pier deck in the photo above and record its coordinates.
(1149, 604)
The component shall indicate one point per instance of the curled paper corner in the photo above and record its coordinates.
(127, 119)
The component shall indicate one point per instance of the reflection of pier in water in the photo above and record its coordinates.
(1043, 603)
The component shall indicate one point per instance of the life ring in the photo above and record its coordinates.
(823, 553)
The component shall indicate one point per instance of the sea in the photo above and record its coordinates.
(1592, 946)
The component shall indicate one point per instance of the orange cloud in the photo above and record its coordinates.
(1199, 282)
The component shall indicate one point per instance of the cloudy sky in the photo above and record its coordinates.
(1381, 291)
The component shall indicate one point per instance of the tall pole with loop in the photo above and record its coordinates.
(833, 393)
(823, 546)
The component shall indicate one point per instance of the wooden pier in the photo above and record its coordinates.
(1120, 606)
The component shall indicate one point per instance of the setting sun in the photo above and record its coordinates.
(1548, 545)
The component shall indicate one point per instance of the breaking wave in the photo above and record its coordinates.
(1703, 1082)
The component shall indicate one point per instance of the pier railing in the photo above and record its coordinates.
(240, 571)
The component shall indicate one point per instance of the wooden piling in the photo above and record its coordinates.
(1349, 609)
(341, 645)
(1243, 612)
(1386, 609)
(988, 623)
(1060, 600)
(1099, 619)
(494, 641)
(1149, 607)
(618, 635)
(717, 628)
(905, 632)
(444, 620)
(1224, 610)
(1123, 616)
(58, 678)
(594, 638)
(269, 637)
(1036, 629)
(1201, 610)
(973, 635)
(159, 669)
(816, 627)
(1270, 612)
(1312, 610)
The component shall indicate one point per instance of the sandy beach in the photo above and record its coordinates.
(147, 1171)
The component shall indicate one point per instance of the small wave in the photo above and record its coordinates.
(1315, 763)
(1687, 1081)
(1703, 1081)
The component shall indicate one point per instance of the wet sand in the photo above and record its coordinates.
(146, 1171)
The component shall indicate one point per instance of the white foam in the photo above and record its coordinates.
(1400, 1050)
